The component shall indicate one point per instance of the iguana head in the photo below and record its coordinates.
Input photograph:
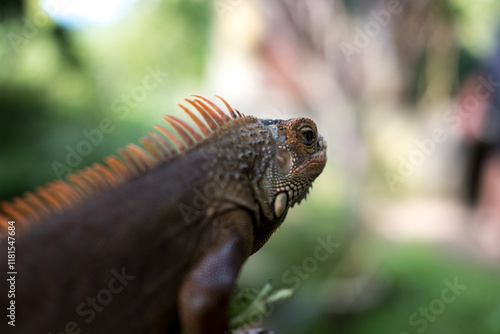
(300, 156)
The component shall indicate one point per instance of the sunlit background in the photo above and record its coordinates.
(406, 93)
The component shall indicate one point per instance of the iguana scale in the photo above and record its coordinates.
(154, 241)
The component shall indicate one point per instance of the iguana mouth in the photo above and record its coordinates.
(317, 161)
(319, 158)
(314, 167)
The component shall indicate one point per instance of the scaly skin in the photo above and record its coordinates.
(163, 250)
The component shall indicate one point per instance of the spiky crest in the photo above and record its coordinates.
(57, 196)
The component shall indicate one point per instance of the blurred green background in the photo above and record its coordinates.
(407, 253)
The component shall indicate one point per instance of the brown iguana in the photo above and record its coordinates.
(154, 241)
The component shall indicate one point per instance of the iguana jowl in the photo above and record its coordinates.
(172, 223)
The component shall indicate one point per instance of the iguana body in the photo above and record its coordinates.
(156, 243)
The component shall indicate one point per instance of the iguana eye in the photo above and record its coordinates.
(307, 135)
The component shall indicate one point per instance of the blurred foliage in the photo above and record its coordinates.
(58, 82)
(249, 304)
(415, 278)
(476, 34)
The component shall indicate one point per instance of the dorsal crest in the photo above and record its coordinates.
(133, 160)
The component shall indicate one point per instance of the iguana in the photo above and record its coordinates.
(154, 241)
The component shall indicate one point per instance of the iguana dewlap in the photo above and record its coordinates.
(155, 240)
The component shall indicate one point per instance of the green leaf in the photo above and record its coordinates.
(248, 304)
